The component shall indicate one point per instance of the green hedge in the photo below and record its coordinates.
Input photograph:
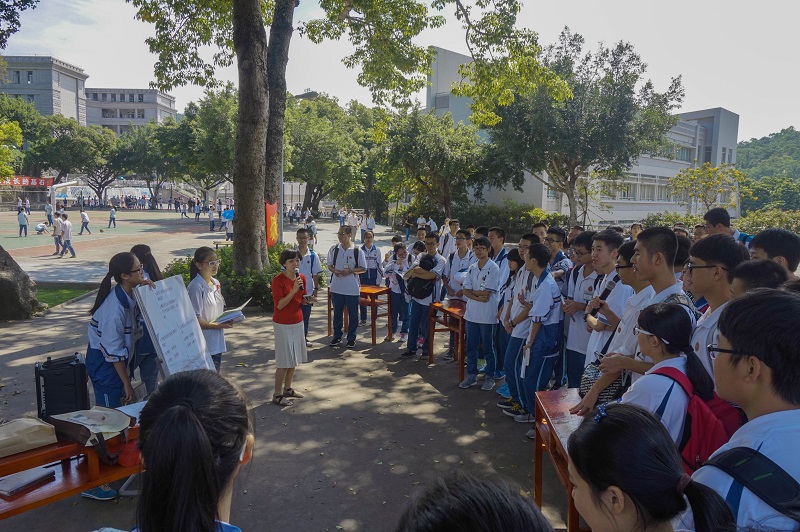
(756, 221)
(515, 218)
(668, 219)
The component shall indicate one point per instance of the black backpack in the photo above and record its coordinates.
(422, 288)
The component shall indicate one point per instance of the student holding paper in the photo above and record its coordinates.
(205, 294)
(288, 289)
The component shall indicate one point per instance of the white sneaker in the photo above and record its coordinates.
(403, 337)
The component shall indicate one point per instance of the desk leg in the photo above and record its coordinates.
(573, 517)
(373, 310)
(537, 461)
(389, 316)
(330, 314)
(431, 333)
(461, 352)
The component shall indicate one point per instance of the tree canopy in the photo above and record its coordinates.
(9, 17)
(776, 155)
(709, 186)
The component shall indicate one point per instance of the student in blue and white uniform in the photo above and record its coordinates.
(205, 293)
(508, 295)
(560, 266)
(718, 221)
(346, 262)
(311, 268)
(499, 254)
(663, 331)
(418, 321)
(395, 269)
(146, 358)
(374, 275)
(579, 289)
(447, 242)
(756, 364)
(481, 292)
(456, 266)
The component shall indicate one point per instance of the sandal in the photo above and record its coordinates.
(289, 392)
(281, 400)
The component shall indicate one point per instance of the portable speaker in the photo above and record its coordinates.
(61, 386)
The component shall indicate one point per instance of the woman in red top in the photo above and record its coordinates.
(287, 320)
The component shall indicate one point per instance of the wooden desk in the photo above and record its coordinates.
(373, 297)
(554, 424)
(449, 318)
(77, 469)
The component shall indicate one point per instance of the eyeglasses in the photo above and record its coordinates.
(213, 262)
(713, 349)
(551, 240)
(476, 248)
(577, 253)
(140, 269)
(618, 267)
(638, 330)
(688, 267)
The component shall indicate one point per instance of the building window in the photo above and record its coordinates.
(104, 97)
(724, 155)
(29, 98)
(730, 155)
(121, 97)
(663, 193)
(647, 192)
(684, 154)
(628, 192)
(552, 193)
(130, 98)
(127, 113)
(707, 154)
(442, 101)
(141, 98)
(113, 97)
(16, 78)
(140, 113)
(30, 77)
(109, 113)
(94, 96)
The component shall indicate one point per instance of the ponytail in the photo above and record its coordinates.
(145, 255)
(119, 264)
(701, 381)
(711, 513)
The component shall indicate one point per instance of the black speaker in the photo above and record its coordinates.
(61, 386)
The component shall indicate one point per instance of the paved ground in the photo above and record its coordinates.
(371, 430)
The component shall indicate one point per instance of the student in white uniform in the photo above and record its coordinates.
(447, 242)
(779, 245)
(418, 319)
(205, 293)
(456, 266)
(311, 267)
(481, 292)
(664, 331)
(718, 221)
(374, 274)
(395, 267)
(639, 484)
(756, 366)
(346, 262)
(707, 274)
(515, 282)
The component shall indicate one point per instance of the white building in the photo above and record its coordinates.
(709, 135)
(119, 109)
(53, 86)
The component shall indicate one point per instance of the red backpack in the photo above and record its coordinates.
(703, 431)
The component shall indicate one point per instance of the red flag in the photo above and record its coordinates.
(271, 210)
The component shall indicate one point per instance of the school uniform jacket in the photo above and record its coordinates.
(112, 332)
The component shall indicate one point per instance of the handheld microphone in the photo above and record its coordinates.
(609, 287)
(297, 273)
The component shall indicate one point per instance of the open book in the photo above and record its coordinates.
(233, 315)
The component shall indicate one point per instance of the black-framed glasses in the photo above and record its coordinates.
(551, 240)
(618, 267)
(140, 269)
(577, 253)
(713, 349)
(688, 267)
(638, 330)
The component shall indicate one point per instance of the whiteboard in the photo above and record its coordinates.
(172, 322)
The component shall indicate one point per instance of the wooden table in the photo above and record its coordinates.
(554, 424)
(449, 318)
(77, 469)
(373, 297)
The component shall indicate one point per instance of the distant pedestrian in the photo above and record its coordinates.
(22, 218)
(66, 236)
(19, 203)
(183, 211)
(229, 231)
(48, 210)
(27, 205)
(84, 223)
(57, 224)
(42, 228)
(112, 217)
(211, 220)
(197, 210)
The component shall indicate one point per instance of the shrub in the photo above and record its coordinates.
(515, 218)
(759, 220)
(668, 219)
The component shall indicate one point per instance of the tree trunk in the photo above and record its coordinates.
(280, 34)
(249, 165)
(308, 196)
(573, 203)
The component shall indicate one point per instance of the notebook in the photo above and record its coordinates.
(18, 482)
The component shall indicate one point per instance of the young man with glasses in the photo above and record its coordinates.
(560, 267)
(708, 274)
(455, 272)
(311, 267)
(346, 264)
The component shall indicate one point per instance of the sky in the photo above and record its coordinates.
(732, 54)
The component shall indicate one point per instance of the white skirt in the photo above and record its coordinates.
(290, 344)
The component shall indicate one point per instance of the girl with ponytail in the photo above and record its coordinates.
(627, 476)
(664, 333)
(195, 432)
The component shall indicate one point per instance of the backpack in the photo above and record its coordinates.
(336, 254)
(703, 431)
(422, 288)
(767, 480)
(682, 299)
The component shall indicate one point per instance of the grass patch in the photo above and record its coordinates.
(56, 296)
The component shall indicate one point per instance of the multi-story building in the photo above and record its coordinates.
(119, 109)
(53, 86)
(699, 136)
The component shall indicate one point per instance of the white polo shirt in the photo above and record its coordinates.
(522, 282)
(66, 227)
(662, 396)
(208, 303)
(486, 278)
(310, 265)
(625, 342)
(456, 272)
(421, 222)
(616, 301)
(348, 285)
(707, 332)
(546, 301)
(392, 269)
(582, 291)
(777, 436)
(447, 244)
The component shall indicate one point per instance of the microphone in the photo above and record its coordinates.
(297, 273)
(609, 287)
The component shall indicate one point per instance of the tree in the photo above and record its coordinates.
(392, 66)
(776, 155)
(709, 186)
(440, 159)
(771, 193)
(63, 146)
(613, 117)
(99, 157)
(10, 139)
(9, 17)
(213, 130)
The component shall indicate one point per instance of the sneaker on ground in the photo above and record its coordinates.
(469, 380)
(100, 493)
(506, 404)
(531, 433)
(387, 339)
(409, 354)
(503, 390)
(515, 410)
(336, 341)
(363, 322)
(524, 418)
(403, 337)
(308, 344)
(420, 341)
(482, 370)
(488, 384)
(446, 345)
(448, 356)
(351, 344)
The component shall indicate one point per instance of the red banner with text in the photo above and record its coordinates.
(26, 181)
(271, 210)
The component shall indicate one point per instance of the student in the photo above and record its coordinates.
(42, 228)
(229, 230)
(681, 256)
(57, 225)
(422, 223)
(146, 359)
(48, 211)
(752, 274)
(84, 223)
(432, 227)
(639, 484)
(395, 268)
(580, 288)
(112, 217)
(418, 320)
(421, 233)
(347, 264)
(22, 218)
(364, 225)
(538, 353)
(66, 236)
(780, 245)
(708, 274)
(718, 221)
(311, 268)
(481, 230)
(664, 331)
(574, 231)
(471, 229)
(353, 222)
(636, 228)
(560, 267)
(508, 290)
(205, 293)
(447, 243)
(195, 433)
(480, 289)
(373, 276)
(197, 211)
(468, 504)
(455, 271)
(756, 366)
(540, 230)
(699, 232)
(211, 219)
(416, 250)
(407, 225)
